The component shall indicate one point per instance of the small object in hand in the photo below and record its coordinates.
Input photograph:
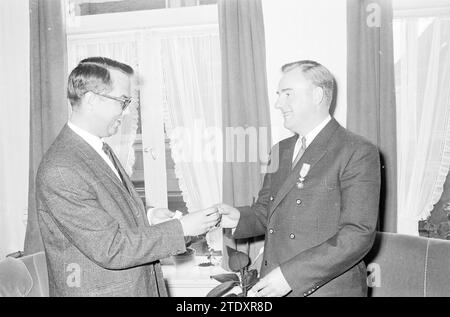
(178, 214)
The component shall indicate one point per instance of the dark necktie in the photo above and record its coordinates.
(112, 157)
(300, 152)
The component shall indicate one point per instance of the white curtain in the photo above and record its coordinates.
(122, 48)
(14, 123)
(423, 116)
(192, 83)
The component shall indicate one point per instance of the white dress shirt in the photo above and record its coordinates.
(310, 136)
(96, 143)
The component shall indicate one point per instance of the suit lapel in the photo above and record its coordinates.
(99, 163)
(285, 164)
(313, 154)
(134, 194)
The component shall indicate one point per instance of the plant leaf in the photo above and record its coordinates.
(222, 289)
(237, 260)
(250, 279)
(231, 295)
(226, 277)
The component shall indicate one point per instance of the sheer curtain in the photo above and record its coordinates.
(123, 48)
(14, 123)
(423, 116)
(192, 82)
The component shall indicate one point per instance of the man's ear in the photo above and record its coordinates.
(89, 101)
(318, 95)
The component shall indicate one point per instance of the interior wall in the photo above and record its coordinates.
(304, 29)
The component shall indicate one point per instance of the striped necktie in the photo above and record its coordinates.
(300, 152)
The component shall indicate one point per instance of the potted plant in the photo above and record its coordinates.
(243, 278)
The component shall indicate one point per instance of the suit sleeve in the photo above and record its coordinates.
(75, 209)
(360, 188)
(253, 219)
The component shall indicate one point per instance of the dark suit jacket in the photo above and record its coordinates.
(96, 235)
(318, 235)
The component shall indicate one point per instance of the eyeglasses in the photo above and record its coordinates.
(124, 101)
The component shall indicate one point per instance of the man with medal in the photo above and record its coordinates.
(319, 209)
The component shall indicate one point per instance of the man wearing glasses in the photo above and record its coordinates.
(97, 238)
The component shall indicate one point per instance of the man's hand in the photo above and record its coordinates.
(272, 285)
(230, 216)
(159, 215)
(200, 222)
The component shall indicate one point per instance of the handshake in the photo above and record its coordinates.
(201, 221)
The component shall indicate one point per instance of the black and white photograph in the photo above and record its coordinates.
(235, 149)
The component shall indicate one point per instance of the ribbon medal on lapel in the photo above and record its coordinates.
(303, 172)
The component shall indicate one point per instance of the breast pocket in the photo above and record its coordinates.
(320, 185)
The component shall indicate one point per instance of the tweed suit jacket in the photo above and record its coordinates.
(96, 235)
(318, 234)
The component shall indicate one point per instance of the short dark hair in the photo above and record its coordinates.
(92, 74)
(318, 74)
